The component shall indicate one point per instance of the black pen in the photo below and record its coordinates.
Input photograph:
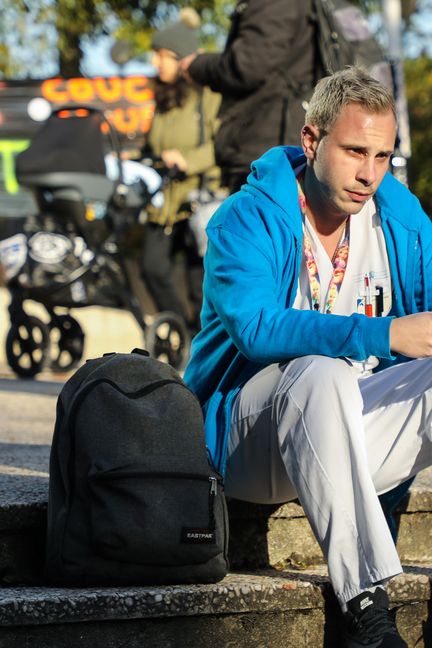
(379, 301)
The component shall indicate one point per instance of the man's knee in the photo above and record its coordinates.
(317, 394)
(316, 372)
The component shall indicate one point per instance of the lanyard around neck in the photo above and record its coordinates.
(339, 263)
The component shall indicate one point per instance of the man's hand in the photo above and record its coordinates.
(412, 335)
(184, 64)
(173, 158)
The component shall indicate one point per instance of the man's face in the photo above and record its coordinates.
(349, 163)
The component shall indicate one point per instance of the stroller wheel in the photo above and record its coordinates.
(67, 343)
(27, 346)
(168, 339)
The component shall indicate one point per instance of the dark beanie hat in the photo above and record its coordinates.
(181, 37)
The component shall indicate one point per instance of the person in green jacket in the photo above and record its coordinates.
(182, 133)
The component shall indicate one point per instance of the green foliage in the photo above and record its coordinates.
(33, 32)
(74, 19)
(25, 37)
(418, 79)
(138, 20)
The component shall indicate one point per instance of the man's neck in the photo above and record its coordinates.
(324, 227)
(328, 224)
(325, 221)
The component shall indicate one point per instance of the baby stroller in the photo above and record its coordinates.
(68, 255)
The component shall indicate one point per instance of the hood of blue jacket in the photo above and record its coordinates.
(273, 174)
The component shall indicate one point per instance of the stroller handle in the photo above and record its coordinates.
(167, 173)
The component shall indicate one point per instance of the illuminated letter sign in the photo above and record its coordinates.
(108, 89)
(8, 150)
(129, 99)
(52, 91)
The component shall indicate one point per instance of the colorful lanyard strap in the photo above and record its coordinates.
(339, 262)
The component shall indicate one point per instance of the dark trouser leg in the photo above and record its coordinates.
(156, 269)
(195, 280)
(184, 240)
(234, 181)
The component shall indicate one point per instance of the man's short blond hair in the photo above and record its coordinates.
(347, 86)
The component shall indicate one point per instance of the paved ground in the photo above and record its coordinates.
(105, 329)
(27, 407)
(27, 410)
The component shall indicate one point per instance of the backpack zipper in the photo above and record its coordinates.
(127, 474)
(213, 485)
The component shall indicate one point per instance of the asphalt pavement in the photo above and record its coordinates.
(27, 407)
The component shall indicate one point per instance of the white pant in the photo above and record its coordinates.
(310, 429)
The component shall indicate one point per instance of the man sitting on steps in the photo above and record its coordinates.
(318, 283)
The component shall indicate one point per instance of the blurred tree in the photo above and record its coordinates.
(73, 20)
(418, 79)
(138, 19)
(36, 32)
(27, 38)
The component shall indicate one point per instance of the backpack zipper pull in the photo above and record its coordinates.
(213, 486)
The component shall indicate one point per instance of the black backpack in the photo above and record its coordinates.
(133, 498)
(343, 37)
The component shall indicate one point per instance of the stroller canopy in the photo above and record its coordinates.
(66, 143)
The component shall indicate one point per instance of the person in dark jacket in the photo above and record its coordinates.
(265, 74)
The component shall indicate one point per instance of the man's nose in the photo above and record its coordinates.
(367, 172)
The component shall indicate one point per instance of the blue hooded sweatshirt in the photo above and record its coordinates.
(252, 267)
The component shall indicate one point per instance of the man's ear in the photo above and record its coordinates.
(310, 140)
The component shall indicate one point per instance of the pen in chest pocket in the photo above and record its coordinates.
(373, 297)
(368, 295)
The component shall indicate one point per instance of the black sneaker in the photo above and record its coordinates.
(370, 622)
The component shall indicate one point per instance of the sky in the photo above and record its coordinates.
(97, 61)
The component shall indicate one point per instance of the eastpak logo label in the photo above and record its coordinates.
(197, 535)
(365, 603)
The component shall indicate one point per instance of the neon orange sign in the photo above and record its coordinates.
(129, 100)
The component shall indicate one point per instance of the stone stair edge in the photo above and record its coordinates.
(24, 485)
(21, 508)
(238, 593)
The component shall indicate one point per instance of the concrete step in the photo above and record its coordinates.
(280, 536)
(260, 536)
(263, 609)
(259, 610)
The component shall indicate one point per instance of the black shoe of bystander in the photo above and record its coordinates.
(370, 623)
